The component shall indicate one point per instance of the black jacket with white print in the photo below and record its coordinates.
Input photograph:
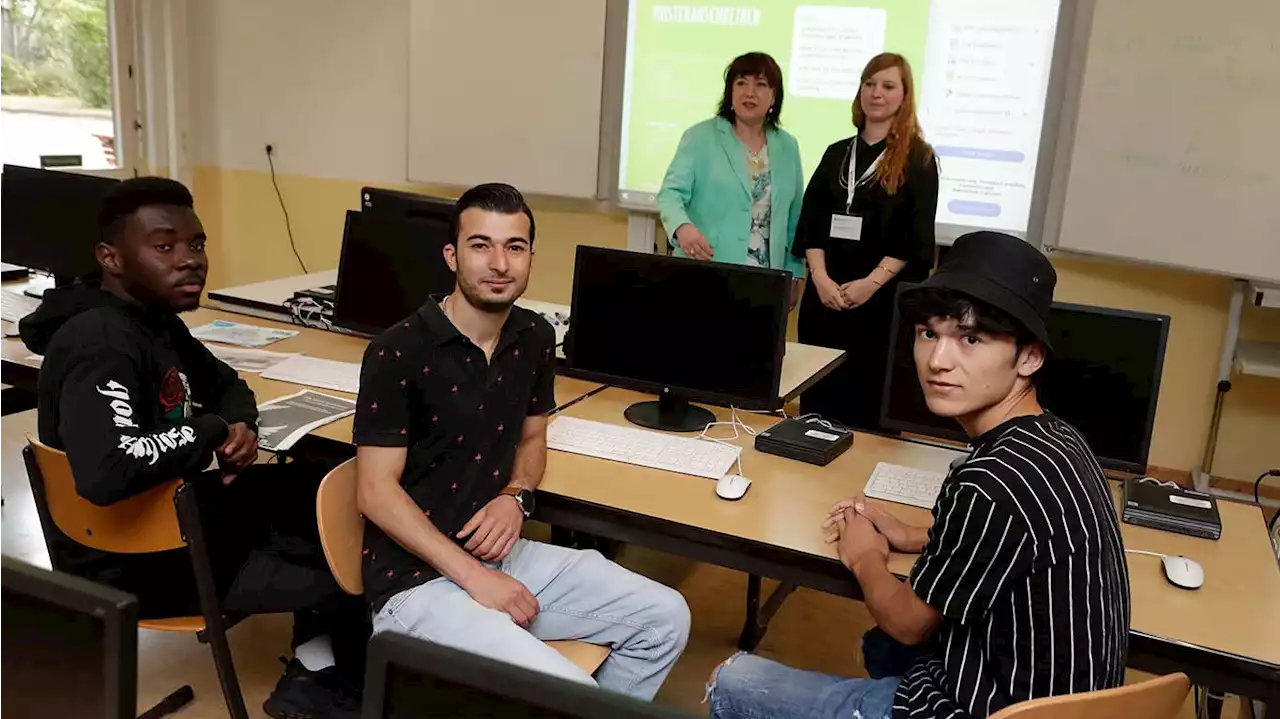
(131, 397)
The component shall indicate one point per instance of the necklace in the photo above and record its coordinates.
(756, 160)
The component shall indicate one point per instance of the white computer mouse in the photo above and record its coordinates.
(1183, 572)
(732, 486)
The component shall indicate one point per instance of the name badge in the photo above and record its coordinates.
(846, 227)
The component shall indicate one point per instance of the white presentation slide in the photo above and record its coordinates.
(981, 69)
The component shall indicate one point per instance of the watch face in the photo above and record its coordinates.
(526, 501)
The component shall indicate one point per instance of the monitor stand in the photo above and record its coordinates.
(669, 414)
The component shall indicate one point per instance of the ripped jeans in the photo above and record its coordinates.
(750, 687)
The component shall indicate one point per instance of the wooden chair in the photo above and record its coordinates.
(1159, 698)
(342, 536)
(162, 518)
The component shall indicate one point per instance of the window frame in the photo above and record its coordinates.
(122, 46)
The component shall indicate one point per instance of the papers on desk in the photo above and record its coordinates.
(285, 420)
(242, 335)
(248, 360)
(314, 372)
(14, 306)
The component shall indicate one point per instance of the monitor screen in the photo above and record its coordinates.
(707, 331)
(410, 678)
(62, 631)
(50, 219)
(389, 268)
(982, 71)
(1103, 377)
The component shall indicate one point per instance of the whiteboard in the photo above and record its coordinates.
(506, 91)
(1175, 158)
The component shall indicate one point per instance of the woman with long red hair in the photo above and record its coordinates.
(866, 224)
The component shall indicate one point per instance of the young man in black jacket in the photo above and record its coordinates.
(134, 400)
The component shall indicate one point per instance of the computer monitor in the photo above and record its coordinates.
(389, 267)
(409, 678)
(70, 646)
(1103, 377)
(405, 205)
(683, 329)
(50, 220)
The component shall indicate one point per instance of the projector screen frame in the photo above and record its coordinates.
(1062, 92)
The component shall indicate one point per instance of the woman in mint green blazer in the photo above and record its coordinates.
(734, 189)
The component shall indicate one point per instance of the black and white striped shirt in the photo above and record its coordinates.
(1026, 565)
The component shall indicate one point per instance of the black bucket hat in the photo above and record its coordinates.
(1002, 271)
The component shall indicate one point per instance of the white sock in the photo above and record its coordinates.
(315, 654)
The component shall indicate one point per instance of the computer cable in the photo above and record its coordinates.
(1257, 485)
(737, 424)
(815, 418)
(288, 226)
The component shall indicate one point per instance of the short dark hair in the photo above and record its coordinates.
(126, 197)
(494, 197)
(751, 65)
(920, 306)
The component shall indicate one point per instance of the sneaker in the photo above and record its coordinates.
(304, 694)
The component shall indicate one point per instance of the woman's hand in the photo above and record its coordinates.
(828, 291)
(693, 243)
(857, 292)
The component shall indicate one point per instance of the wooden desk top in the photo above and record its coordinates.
(803, 363)
(1235, 612)
(275, 292)
(784, 507)
(309, 341)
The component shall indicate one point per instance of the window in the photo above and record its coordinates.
(67, 94)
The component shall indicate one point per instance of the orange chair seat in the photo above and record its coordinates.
(174, 624)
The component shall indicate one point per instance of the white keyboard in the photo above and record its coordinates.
(15, 305)
(905, 485)
(658, 450)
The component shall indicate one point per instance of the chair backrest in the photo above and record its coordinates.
(146, 522)
(341, 526)
(1159, 698)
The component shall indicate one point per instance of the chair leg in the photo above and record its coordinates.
(210, 607)
(176, 700)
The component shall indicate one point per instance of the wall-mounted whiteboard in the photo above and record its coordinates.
(506, 91)
(1175, 157)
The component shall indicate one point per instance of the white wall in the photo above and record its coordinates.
(324, 81)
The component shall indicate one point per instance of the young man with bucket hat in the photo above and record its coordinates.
(1021, 589)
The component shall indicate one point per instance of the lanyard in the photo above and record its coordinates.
(866, 175)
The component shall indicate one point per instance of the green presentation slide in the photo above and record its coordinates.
(677, 55)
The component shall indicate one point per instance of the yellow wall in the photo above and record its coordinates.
(248, 244)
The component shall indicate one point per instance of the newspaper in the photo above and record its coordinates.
(285, 420)
(248, 360)
(242, 335)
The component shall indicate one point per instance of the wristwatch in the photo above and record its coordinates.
(523, 497)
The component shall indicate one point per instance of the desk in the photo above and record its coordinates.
(774, 531)
(803, 366)
(22, 372)
(266, 299)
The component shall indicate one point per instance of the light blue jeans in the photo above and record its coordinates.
(582, 596)
(750, 687)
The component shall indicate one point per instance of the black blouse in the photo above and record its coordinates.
(898, 225)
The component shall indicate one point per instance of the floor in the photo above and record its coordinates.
(813, 630)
